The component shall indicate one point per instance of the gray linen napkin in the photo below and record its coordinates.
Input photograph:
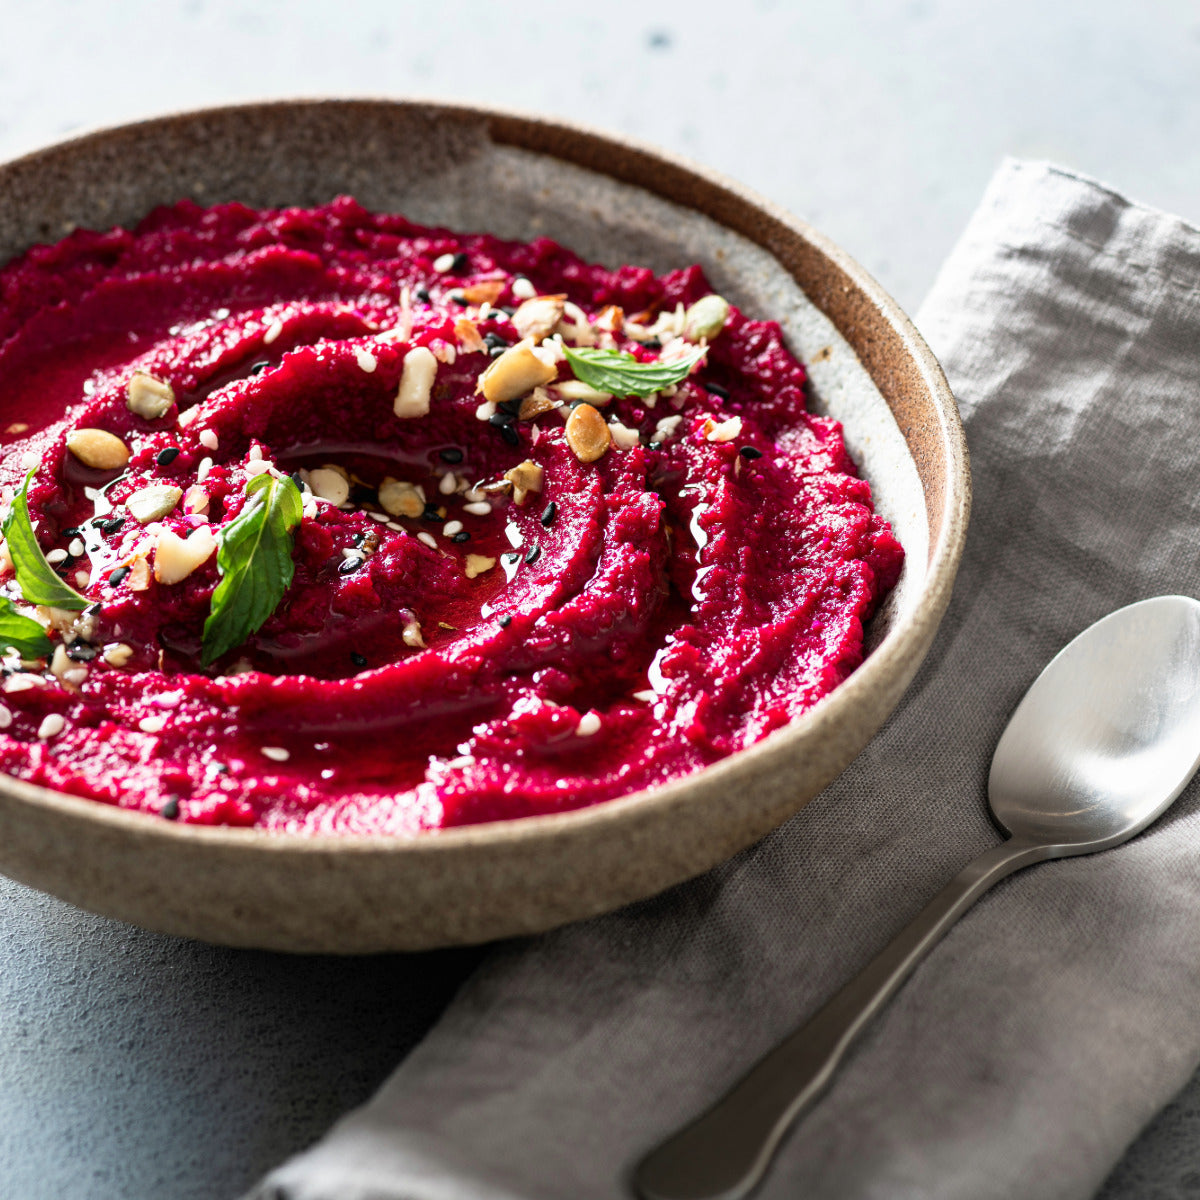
(1059, 1015)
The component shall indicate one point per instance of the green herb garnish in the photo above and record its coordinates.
(35, 576)
(254, 559)
(22, 634)
(620, 374)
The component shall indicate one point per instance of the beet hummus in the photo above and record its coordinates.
(368, 527)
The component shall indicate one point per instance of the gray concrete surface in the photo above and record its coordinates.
(133, 1065)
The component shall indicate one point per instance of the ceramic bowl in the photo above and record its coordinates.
(612, 200)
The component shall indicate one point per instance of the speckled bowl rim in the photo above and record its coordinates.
(659, 172)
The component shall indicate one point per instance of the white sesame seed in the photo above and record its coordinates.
(29, 461)
(275, 753)
(75, 549)
(208, 439)
(221, 314)
(396, 526)
(523, 289)
(589, 723)
(6, 717)
(56, 556)
(647, 697)
(382, 518)
(448, 484)
(366, 360)
(428, 539)
(273, 331)
(255, 454)
(451, 528)
(81, 578)
(155, 724)
(486, 411)
(478, 508)
(203, 469)
(258, 466)
(52, 725)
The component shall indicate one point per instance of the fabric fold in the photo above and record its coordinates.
(1058, 1016)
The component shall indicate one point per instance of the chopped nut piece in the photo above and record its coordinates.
(443, 352)
(147, 396)
(611, 319)
(624, 437)
(175, 558)
(574, 389)
(525, 477)
(195, 500)
(98, 448)
(706, 318)
(537, 318)
(484, 291)
(139, 575)
(467, 332)
(476, 564)
(400, 498)
(515, 373)
(153, 502)
(537, 402)
(587, 433)
(117, 654)
(416, 383)
(412, 632)
(721, 431)
(329, 485)
(60, 664)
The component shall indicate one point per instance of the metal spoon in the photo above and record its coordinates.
(1101, 744)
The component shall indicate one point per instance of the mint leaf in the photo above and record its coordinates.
(254, 560)
(620, 374)
(22, 634)
(35, 577)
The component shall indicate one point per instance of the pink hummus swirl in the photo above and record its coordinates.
(472, 649)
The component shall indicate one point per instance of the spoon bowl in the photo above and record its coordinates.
(1109, 733)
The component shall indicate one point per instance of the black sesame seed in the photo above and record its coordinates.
(451, 455)
(507, 311)
(93, 610)
(461, 536)
(349, 566)
(505, 622)
(359, 660)
(509, 409)
(460, 264)
(533, 554)
(422, 294)
(360, 537)
(119, 574)
(81, 652)
(717, 390)
(74, 531)
(170, 810)
(749, 453)
(297, 479)
(459, 299)
(654, 445)
(510, 435)
(551, 511)
(221, 768)
(496, 351)
(652, 344)
(165, 457)
(512, 559)
(259, 367)
(495, 342)
(112, 524)
(431, 513)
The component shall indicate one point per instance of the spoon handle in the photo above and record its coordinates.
(724, 1153)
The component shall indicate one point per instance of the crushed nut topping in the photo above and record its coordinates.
(154, 502)
(147, 396)
(175, 558)
(516, 372)
(526, 477)
(416, 383)
(538, 318)
(477, 564)
(587, 433)
(400, 498)
(97, 448)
